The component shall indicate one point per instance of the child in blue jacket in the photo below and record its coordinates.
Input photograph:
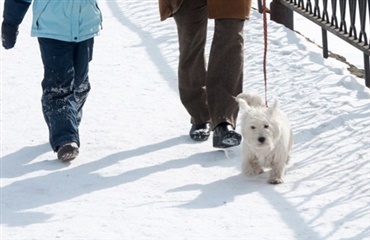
(65, 31)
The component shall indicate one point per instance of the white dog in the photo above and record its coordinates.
(267, 137)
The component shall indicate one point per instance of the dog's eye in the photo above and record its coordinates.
(266, 126)
(253, 127)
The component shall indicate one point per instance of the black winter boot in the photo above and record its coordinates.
(67, 152)
(200, 132)
(224, 136)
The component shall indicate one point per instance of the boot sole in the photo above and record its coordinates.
(200, 136)
(67, 153)
(231, 139)
(200, 132)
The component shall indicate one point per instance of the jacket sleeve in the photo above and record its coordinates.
(15, 10)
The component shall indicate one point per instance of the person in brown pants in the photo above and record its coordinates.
(207, 92)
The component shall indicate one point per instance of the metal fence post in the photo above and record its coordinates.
(281, 14)
(260, 6)
(367, 70)
(325, 49)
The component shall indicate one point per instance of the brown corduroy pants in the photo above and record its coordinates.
(207, 92)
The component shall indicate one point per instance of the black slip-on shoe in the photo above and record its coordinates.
(67, 152)
(200, 132)
(224, 136)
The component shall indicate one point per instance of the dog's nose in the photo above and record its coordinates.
(261, 139)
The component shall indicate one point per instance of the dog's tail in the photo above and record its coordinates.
(247, 100)
(243, 103)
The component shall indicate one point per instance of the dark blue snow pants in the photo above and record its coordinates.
(65, 87)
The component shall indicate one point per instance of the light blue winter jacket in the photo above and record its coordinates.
(66, 20)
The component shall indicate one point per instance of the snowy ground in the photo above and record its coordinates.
(139, 176)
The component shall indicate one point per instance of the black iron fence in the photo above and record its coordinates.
(346, 19)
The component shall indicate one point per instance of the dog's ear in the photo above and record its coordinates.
(243, 104)
(271, 110)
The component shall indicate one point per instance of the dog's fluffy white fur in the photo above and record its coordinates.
(267, 137)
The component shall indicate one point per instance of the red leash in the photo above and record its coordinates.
(264, 13)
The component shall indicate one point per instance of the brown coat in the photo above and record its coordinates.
(217, 9)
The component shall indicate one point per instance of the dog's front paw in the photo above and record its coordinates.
(275, 180)
(252, 170)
